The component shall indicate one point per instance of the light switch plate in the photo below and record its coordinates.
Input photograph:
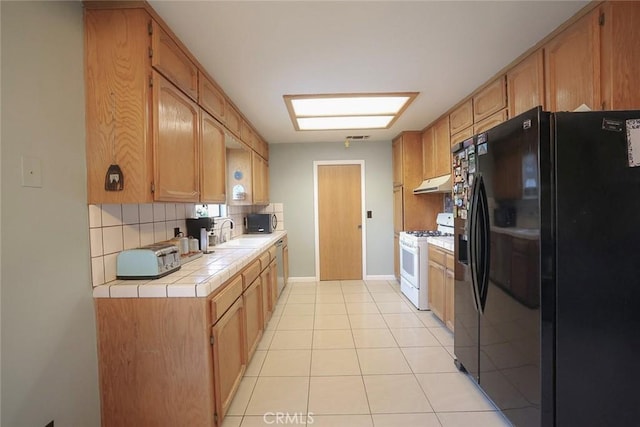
(31, 172)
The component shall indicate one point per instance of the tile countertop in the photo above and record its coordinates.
(197, 278)
(444, 242)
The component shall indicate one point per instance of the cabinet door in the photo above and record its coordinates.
(449, 291)
(620, 55)
(168, 58)
(462, 136)
(285, 263)
(525, 84)
(491, 121)
(117, 87)
(442, 147)
(461, 118)
(176, 143)
(397, 210)
(273, 282)
(436, 289)
(267, 304)
(211, 97)
(260, 176)
(253, 316)
(229, 356)
(396, 153)
(490, 99)
(233, 120)
(396, 256)
(247, 136)
(428, 153)
(572, 66)
(213, 170)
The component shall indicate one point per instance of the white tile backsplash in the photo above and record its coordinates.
(130, 214)
(95, 216)
(112, 240)
(146, 212)
(114, 228)
(146, 234)
(159, 213)
(111, 215)
(95, 238)
(131, 234)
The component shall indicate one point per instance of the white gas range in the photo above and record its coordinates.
(414, 258)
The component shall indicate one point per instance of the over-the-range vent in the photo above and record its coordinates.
(358, 137)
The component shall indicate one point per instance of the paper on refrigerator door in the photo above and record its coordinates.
(633, 142)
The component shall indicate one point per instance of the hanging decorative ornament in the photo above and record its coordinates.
(114, 180)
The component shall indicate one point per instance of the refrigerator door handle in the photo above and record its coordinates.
(484, 230)
(473, 245)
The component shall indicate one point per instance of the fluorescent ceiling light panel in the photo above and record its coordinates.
(347, 111)
(348, 122)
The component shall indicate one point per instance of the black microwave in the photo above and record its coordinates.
(261, 223)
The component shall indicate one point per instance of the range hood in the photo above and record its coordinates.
(440, 184)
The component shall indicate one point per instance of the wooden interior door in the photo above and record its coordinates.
(340, 222)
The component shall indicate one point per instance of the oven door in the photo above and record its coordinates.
(410, 264)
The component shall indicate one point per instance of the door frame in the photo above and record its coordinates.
(316, 164)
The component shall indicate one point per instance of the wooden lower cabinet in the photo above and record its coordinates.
(254, 318)
(441, 285)
(167, 362)
(229, 356)
(436, 289)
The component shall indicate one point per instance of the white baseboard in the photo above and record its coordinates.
(301, 279)
(370, 277)
(381, 277)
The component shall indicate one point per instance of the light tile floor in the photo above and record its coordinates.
(356, 354)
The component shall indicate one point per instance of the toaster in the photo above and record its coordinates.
(148, 262)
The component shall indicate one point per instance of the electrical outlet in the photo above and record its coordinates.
(369, 214)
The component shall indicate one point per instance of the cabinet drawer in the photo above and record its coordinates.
(169, 59)
(250, 273)
(223, 300)
(436, 255)
(265, 258)
(449, 261)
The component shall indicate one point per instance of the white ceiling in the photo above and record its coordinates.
(259, 51)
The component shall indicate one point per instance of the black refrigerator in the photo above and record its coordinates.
(547, 275)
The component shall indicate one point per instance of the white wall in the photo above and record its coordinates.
(291, 182)
(49, 361)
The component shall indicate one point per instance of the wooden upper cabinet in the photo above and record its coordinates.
(428, 152)
(490, 99)
(248, 136)
(398, 222)
(461, 118)
(442, 147)
(572, 66)
(462, 136)
(176, 143)
(118, 103)
(211, 98)
(525, 84)
(620, 40)
(260, 175)
(396, 154)
(233, 120)
(169, 59)
(491, 121)
(213, 170)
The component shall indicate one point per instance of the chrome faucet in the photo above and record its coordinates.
(221, 237)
